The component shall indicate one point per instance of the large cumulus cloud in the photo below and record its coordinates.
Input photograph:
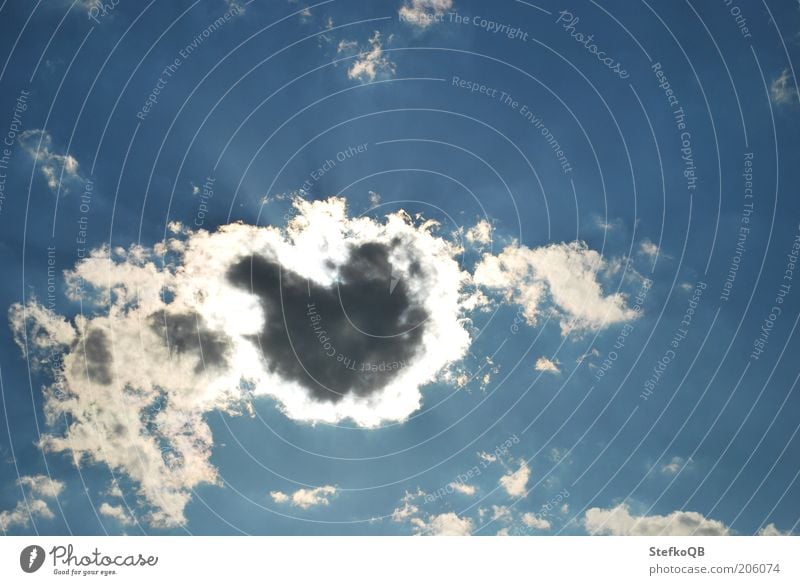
(333, 317)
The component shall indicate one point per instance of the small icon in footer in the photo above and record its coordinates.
(31, 558)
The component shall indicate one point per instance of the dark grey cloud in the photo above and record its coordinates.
(186, 334)
(98, 356)
(353, 337)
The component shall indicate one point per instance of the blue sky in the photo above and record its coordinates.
(607, 271)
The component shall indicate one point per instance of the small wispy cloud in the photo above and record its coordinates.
(606, 224)
(423, 13)
(515, 482)
(408, 509)
(116, 512)
(371, 62)
(531, 520)
(447, 524)
(674, 465)
(544, 364)
(59, 170)
(487, 457)
(305, 498)
(648, 248)
(783, 90)
(463, 488)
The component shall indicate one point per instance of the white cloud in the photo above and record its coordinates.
(480, 233)
(89, 5)
(531, 520)
(22, 513)
(33, 506)
(488, 457)
(140, 405)
(463, 488)
(409, 509)
(565, 275)
(279, 497)
(772, 530)
(59, 170)
(515, 483)
(446, 524)
(346, 46)
(619, 521)
(371, 62)
(423, 13)
(41, 485)
(374, 198)
(544, 364)
(648, 248)
(117, 512)
(176, 228)
(782, 90)
(114, 490)
(607, 225)
(236, 7)
(306, 498)
(501, 514)
(592, 353)
(673, 465)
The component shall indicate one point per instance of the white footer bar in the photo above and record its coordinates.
(378, 560)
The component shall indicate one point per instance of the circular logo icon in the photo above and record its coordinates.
(31, 558)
